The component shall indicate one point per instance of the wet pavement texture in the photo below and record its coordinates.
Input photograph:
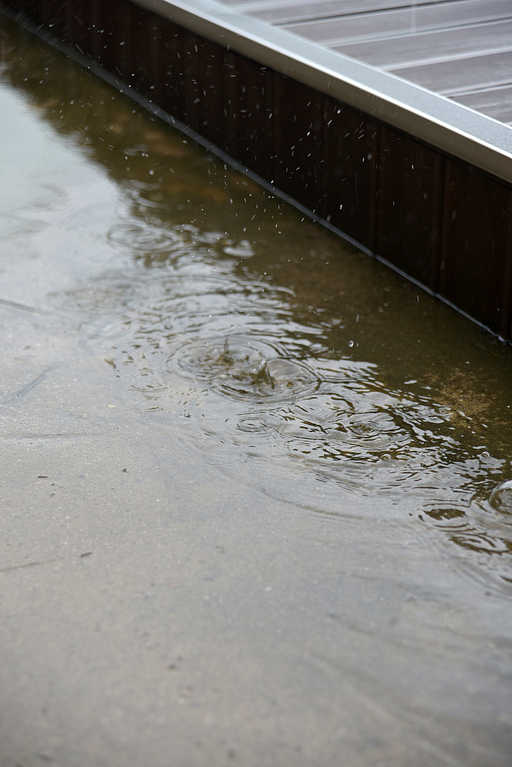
(254, 488)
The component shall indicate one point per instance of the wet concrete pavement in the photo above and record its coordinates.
(181, 581)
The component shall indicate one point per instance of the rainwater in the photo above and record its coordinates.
(310, 559)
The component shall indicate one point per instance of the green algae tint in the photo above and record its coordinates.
(296, 369)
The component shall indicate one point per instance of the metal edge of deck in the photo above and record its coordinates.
(436, 120)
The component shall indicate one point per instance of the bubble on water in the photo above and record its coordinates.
(501, 497)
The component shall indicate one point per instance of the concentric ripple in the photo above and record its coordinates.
(143, 237)
(245, 369)
(269, 388)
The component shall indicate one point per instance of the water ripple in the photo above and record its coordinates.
(245, 368)
(261, 388)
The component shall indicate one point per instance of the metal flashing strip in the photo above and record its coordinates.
(441, 123)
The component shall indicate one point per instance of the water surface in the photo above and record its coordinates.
(354, 431)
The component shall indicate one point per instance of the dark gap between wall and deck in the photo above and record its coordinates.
(441, 220)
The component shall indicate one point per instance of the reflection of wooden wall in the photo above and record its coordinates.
(440, 220)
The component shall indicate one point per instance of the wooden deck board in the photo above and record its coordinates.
(287, 12)
(432, 46)
(495, 102)
(462, 75)
(451, 46)
(405, 21)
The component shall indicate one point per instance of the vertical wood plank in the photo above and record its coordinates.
(113, 31)
(169, 91)
(82, 17)
(410, 187)
(250, 116)
(204, 92)
(474, 259)
(506, 303)
(351, 141)
(298, 124)
(53, 17)
(140, 51)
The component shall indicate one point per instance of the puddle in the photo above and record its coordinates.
(292, 364)
(326, 431)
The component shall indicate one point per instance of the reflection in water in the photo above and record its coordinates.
(296, 364)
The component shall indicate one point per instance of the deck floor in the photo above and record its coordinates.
(461, 49)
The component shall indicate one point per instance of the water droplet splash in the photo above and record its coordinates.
(244, 368)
